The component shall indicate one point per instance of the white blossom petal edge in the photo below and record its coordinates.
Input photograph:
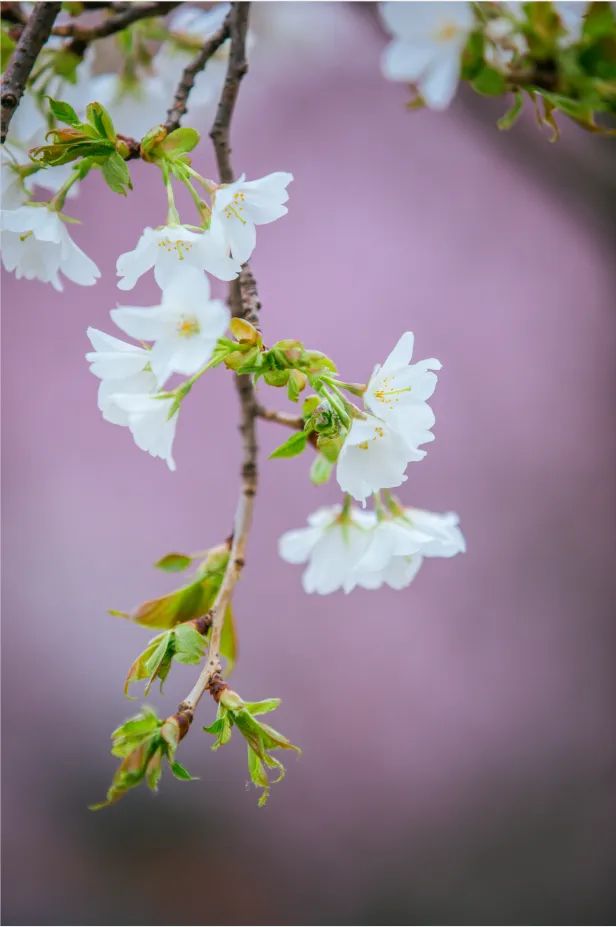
(150, 422)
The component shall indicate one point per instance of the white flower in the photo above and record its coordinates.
(374, 456)
(398, 390)
(36, 245)
(121, 368)
(184, 327)
(240, 206)
(150, 422)
(427, 49)
(378, 448)
(332, 545)
(399, 544)
(170, 248)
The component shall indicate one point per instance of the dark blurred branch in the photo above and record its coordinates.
(82, 36)
(210, 47)
(245, 304)
(36, 32)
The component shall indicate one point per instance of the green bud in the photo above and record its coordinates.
(276, 377)
(330, 446)
(150, 140)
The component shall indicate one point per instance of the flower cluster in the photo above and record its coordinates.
(346, 547)
(183, 330)
(430, 41)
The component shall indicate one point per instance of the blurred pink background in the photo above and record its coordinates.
(458, 737)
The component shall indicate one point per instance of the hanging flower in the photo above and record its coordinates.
(121, 368)
(240, 206)
(374, 456)
(184, 327)
(36, 245)
(399, 544)
(171, 248)
(152, 420)
(332, 545)
(379, 446)
(429, 39)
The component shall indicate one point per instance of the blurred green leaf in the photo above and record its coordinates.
(174, 562)
(291, 447)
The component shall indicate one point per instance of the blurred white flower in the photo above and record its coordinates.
(13, 190)
(36, 245)
(240, 206)
(572, 18)
(190, 26)
(150, 422)
(398, 545)
(184, 327)
(170, 248)
(504, 42)
(378, 448)
(332, 545)
(427, 48)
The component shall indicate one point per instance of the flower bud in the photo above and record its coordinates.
(330, 446)
(245, 332)
(276, 377)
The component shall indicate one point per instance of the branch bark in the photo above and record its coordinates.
(245, 304)
(36, 32)
(211, 46)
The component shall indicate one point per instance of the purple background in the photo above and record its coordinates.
(458, 736)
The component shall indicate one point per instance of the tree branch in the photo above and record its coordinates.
(210, 47)
(36, 32)
(283, 418)
(82, 35)
(244, 304)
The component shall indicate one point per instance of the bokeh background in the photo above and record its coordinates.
(458, 737)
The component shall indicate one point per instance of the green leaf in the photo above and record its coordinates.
(99, 118)
(187, 602)
(263, 707)
(184, 644)
(321, 470)
(228, 641)
(116, 174)
(64, 112)
(174, 562)
(178, 142)
(489, 82)
(180, 772)
(291, 447)
(513, 113)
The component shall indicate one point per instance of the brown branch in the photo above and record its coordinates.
(282, 418)
(35, 34)
(180, 100)
(245, 305)
(82, 35)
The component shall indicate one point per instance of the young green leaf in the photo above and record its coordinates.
(228, 640)
(63, 112)
(174, 562)
(177, 142)
(508, 120)
(116, 174)
(291, 447)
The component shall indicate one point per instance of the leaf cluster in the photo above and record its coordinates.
(577, 79)
(142, 743)
(94, 143)
(261, 739)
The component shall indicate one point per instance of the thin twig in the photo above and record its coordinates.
(210, 47)
(244, 304)
(282, 418)
(82, 35)
(36, 32)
